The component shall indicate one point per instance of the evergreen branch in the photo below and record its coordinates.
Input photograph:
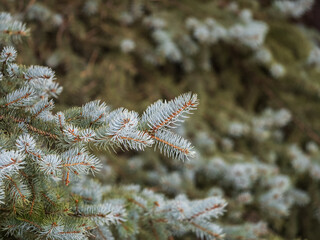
(38, 72)
(33, 199)
(32, 223)
(71, 232)
(19, 97)
(23, 197)
(18, 32)
(41, 132)
(97, 119)
(168, 114)
(74, 135)
(173, 145)
(66, 156)
(137, 140)
(125, 136)
(73, 131)
(51, 164)
(216, 235)
(30, 127)
(101, 233)
(33, 192)
(45, 107)
(9, 164)
(215, 206)
(185, 151)
(207, 208)
(48, 199)
(8, 54)
(60, 120)
(74, 118)
(121, 120)
(26, 144)
(75, 164)
(102, 214)
(50, 230)
(172, 116)
(38, 156)
(134, 139)
(136, 202)
(95, 111)
(67, 181)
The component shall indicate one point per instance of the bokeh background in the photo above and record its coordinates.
(255, 65)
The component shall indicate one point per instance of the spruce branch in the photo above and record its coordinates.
(8, 54)
(173, 145)
(169, 114)
(20, 98)
(208, 231)
(10, 163)
(103, 214)
(95, 111)
(35, 175)
(11, 30)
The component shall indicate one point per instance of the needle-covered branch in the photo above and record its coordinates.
(11, 30)
(46, 157)
(170, 114)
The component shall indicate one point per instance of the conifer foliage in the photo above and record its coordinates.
(256, 68)
(45, 162)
